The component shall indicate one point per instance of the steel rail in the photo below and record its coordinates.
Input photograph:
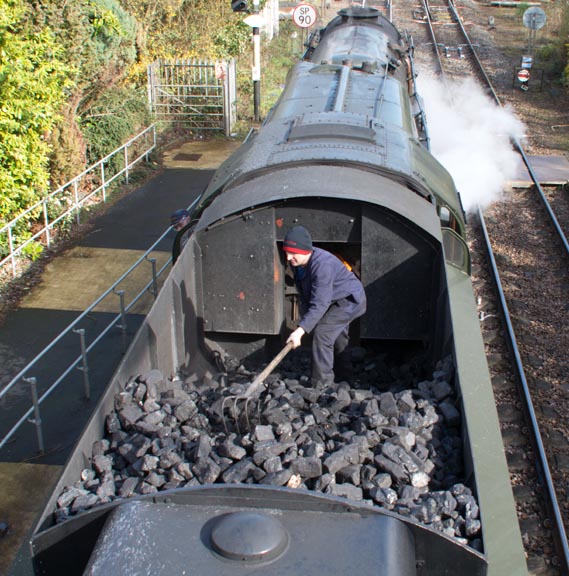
(427, 10)
(542, 196)
(560, 535)
(481, 69)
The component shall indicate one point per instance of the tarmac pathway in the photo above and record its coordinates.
(69, 285)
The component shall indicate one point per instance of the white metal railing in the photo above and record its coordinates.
(81, 362)
(59, 207)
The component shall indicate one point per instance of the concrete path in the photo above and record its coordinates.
(70, 283)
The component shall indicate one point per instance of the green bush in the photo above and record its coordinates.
(117, 115)
(552, 58)
(232, 39)
(114, 33)
(33, 84)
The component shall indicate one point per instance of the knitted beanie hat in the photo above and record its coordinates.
(298, 241)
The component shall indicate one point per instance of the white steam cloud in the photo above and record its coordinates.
(470, 136)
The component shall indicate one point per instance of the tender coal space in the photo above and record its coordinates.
(391, 439)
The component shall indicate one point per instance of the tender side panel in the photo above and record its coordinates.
(501, 533)
(167, 340)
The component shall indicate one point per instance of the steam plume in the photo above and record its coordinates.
(470, 136)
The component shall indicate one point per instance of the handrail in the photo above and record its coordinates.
(70, 191)
(149, 286)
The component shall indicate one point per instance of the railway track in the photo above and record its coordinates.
(526, 394)
(528, 241)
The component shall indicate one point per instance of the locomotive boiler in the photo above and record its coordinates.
(344, 152)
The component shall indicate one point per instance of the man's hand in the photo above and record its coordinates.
(296, 336)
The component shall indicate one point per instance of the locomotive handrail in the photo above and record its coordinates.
(420, 116)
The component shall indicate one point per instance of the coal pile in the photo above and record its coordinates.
(390, 440)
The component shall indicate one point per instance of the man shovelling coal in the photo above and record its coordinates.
(331, 297)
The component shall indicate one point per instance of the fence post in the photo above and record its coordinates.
(126, 166)
(12, 257)
(85, 365)
(103, 184)
(123, 324)
(76, 196)
(46, 223)
(154, 288)
(36, 420)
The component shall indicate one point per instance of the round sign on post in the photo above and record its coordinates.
(304, 15)
(534, 18)
(523, 75)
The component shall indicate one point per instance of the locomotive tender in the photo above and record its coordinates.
(345, 153)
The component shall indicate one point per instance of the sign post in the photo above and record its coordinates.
(534, 19)
(255, 21)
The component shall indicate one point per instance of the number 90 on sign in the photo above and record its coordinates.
(304, 15)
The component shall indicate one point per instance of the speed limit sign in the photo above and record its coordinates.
(304, 15)
(523, 75)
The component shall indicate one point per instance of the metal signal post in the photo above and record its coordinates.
(256, 21)
(256, 66)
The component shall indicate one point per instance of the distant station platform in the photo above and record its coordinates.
(549, 170)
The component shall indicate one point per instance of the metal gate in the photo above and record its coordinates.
(199, 93)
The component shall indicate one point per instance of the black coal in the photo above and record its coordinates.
(391, 440)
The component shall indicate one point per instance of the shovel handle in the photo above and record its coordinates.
(258, 381)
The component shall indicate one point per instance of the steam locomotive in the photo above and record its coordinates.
(345, 153)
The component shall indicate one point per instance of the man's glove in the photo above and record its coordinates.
(296, 336)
